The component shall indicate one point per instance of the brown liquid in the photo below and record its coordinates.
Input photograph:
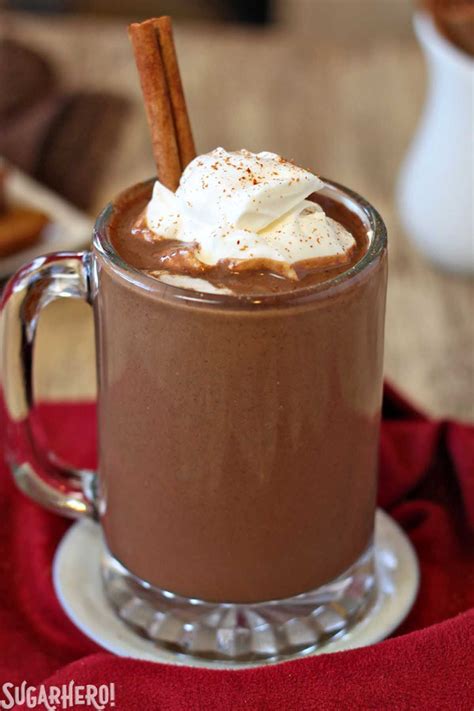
(238, 438)
(137, 247)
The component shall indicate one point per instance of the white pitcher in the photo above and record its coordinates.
(436, 183)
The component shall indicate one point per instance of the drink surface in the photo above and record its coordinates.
(241, 223)
(136, 245)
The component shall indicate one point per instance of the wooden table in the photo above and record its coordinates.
(346, 109)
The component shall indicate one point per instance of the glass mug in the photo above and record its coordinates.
(238, 445)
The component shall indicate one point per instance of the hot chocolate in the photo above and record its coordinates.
(239, 417)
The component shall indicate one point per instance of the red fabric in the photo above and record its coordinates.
(426, 483)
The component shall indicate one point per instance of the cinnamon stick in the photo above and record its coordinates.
(155, 56)
(182, 124)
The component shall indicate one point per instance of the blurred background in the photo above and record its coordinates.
(337, 85)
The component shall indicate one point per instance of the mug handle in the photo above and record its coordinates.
(37, 472)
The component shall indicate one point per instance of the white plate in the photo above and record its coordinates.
(69, 229)
(78, 586)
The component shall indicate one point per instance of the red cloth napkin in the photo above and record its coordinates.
(426, 483)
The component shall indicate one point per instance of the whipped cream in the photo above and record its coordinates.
(184, 281)
(249, 210)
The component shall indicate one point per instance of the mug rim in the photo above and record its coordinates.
(376, 230)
